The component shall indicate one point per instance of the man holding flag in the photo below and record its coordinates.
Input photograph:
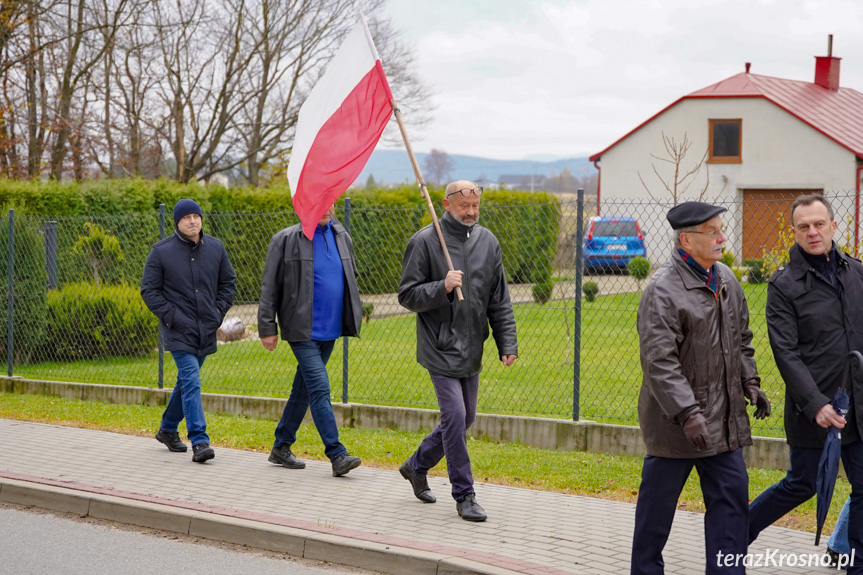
(450, 334)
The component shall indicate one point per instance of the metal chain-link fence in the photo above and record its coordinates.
(74, 312)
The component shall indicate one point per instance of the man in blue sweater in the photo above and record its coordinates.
(309, 293)
(189, 285)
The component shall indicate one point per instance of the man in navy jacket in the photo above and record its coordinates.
(189, 285)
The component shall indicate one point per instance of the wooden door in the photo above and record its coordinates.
(762, 212)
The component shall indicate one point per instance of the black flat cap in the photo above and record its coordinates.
(692, 213)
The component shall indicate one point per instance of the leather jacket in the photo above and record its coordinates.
(450, 334)
(288, 285)
(696, 353)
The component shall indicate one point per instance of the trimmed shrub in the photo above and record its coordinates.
(591, 290)
(30, 279)
(90, 322)
(639, 268)
(755, 271)
(382, 221)
(542, 291)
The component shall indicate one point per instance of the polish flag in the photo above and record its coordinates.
(338, 126)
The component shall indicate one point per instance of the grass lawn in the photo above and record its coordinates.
(383, 368)
(582, 473)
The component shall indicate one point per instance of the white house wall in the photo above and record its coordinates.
(778, 152)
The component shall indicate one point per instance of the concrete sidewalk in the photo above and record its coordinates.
(368, 519)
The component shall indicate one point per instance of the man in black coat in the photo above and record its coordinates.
(450, 334)
(309, 295)
(189, 285)
(814, 318)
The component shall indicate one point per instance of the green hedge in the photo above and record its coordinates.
(382, 221)
(29, 288)
(86, 322)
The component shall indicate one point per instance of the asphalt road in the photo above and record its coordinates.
(34, 541)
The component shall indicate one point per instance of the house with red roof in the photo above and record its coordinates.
(764, 141)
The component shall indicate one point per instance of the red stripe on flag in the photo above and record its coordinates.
(342, 147)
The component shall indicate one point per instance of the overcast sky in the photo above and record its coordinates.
(519, 78)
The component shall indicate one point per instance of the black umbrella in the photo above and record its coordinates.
(828, 466)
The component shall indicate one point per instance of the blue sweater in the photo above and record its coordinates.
(328, 299)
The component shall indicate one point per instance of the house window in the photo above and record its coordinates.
(725, 141)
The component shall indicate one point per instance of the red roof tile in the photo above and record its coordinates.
(836, 114)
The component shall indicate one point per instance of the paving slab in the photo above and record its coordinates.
(368, 518)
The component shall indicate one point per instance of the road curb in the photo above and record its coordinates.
(347, 551)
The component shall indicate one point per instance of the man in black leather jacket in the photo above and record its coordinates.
(814, 318)
(450, 333)
(309, 294)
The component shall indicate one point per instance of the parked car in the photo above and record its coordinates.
(612, 242)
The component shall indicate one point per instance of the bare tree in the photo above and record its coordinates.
(289, 40)
(215, 85)
(438, 166)
(412, 94)
(75, 70)
(292, 41)
(682, 178)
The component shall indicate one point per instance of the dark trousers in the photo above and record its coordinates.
(456, 398)
(725, 487)
(852, 460)
(798, 486)
(795, 488)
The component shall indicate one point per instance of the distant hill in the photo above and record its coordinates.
(393, 167)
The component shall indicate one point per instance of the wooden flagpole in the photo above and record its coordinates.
(424, 191)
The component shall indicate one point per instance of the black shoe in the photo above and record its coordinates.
(469, 509)
(282, 455)
(344, 463)
(835, 556)
(418, 482)
(171, 439)
(203, 452)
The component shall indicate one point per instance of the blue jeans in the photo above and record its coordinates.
(838, 541)
(185, 400)
(725, 487)
(311, 389)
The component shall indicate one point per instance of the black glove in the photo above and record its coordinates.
(758, 398)
(696, 432)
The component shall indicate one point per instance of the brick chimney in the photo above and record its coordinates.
(827, 68)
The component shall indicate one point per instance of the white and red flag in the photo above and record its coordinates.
(338, 127)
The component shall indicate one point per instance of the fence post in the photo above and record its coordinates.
(576, 332)
(161, 343)
(347, 223)
(51, 253)
(10, 337)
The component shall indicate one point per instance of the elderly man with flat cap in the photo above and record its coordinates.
(698, 371)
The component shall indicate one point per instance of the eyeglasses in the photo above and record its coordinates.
(467, 192)
(712, 234)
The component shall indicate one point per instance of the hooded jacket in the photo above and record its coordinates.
(696, 353)
(190, 287)
(812, 328)
(288, 285)
(450, 334)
